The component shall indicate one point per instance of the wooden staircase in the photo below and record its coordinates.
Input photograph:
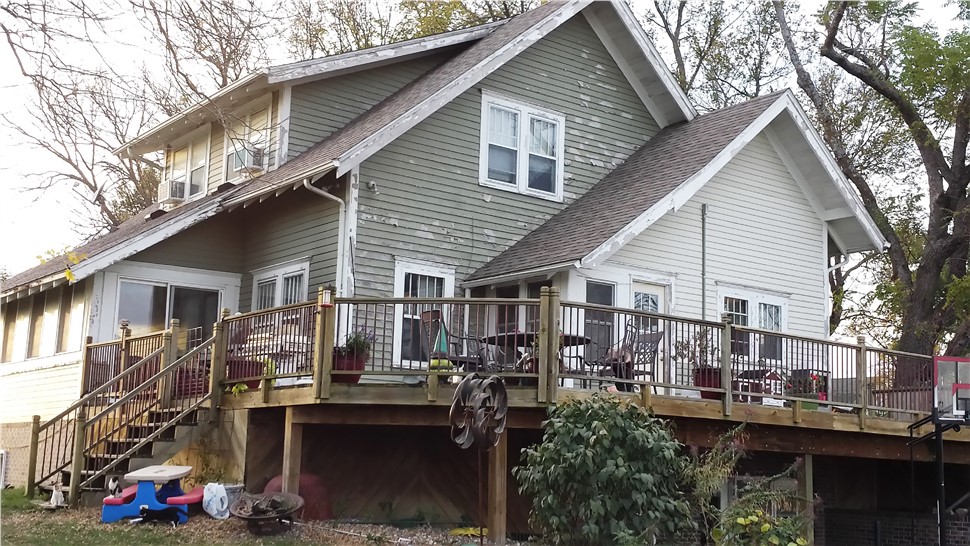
(155, 407)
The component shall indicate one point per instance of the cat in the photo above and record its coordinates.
(114, 487)
(57, 496)
(165, 515)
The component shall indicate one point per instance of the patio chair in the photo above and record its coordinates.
(443, 345)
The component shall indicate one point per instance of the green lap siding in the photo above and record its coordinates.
(420, 196)
(317, 109)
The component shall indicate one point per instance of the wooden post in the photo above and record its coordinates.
(85, 366)
(169, 355)
(543, 368)
(862, 397)
(726, 335)
(318, 346)
(807, 492)
(77, 461)
(646, 397)
(292, 453)
(217, 368)
(497, 490)
(124, 334)
(796, 411)
(32, 456)
(329, 317)
(553, 349)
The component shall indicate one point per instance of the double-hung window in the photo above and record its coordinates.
(758, 310)
(247, 143)
(418, 280)
(186, 169)
(282, 284)
(522, 148)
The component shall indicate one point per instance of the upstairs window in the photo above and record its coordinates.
(247, 143)
(522, 148)
(186, 172)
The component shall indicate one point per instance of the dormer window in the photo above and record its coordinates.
(522, 148)
(247, 144)
(187, 169)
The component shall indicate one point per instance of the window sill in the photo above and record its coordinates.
(514, 189)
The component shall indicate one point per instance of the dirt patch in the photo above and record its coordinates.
(83, 527)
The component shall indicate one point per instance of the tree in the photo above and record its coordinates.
(922, 80)
(724, 52)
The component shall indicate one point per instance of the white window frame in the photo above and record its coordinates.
(401, 269)
(187, 143)
(245, 116)
(524, 112)
(226, 283)
(277, 272)
(754, 298)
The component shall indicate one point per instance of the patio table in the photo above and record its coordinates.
(168, 476)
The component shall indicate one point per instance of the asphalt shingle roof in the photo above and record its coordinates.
(661, 165)
(330, 148)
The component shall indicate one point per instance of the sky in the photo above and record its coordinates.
(32, 223)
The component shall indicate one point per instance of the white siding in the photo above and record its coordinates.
(45, 392)
(762, 233)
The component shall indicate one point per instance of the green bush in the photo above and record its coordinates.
(605, 470)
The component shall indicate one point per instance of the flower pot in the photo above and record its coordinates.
(348, 362)
(710, 378)
(811, 395)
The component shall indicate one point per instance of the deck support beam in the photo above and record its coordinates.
(497, 489)
(292, 452)
(806, 486)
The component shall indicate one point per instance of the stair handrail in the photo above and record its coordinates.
(150, 382)
(151, 437)
(88, 397)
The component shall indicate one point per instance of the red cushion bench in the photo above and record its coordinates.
(192, 497)
(127, 495)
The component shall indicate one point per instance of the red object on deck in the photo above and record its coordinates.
(315, 498)
(191, 497)
(127, 495)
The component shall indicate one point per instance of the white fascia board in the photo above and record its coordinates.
(315, 69)
(290, 182)
(675, 199)
(39, 285)
(621, 62)
(144, 240)
(126, 149)
(519, 275)
(653, 57)
(831, 168)
(419, 112)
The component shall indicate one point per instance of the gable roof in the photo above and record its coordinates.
(659, 177)
(346, 148)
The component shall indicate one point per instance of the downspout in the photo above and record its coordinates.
(703, 261)
(340, 231)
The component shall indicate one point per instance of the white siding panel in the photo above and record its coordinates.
(45, 392)
(761, 233)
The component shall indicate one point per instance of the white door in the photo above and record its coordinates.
(652, 298)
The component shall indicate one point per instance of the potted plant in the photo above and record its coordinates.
(807, 384)
(352, 355)
(700, 354)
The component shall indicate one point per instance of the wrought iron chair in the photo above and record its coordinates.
(443, 345)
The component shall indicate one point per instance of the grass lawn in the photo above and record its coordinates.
(23, 523)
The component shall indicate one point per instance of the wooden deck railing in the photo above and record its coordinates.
(549, 344)
(542, 345)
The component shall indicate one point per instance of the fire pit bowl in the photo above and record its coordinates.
(267, 513)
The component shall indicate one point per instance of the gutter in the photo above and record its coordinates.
(518, 275)
(341, 228)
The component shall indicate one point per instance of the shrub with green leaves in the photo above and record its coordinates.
(605, 469)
